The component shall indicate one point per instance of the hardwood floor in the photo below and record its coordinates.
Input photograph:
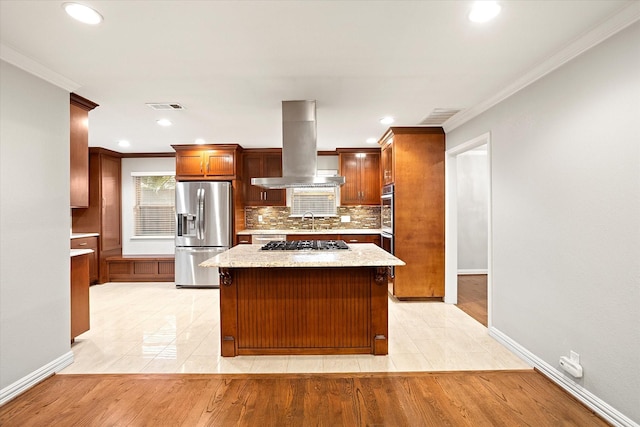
(472, 296)
(491, 398)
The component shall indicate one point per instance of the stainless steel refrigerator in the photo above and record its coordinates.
(203, 229)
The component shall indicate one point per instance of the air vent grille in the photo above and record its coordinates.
(164, 106)
(438, 116)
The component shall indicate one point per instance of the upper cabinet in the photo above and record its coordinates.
(79, 149)
(361, 170)
(262, 164)
(387, 159)
(210, 162)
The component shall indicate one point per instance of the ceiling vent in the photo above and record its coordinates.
(438, 116)
(164, 106)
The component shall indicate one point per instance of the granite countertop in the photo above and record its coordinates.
(305, 231)
(250, 256)
(81, 235)
(78, 252)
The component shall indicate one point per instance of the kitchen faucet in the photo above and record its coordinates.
(313, 220)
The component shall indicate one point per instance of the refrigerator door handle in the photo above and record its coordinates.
(201, 213)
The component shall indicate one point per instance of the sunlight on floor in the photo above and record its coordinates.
(156, 328)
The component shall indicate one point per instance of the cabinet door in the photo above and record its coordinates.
(259, 165)
(189, 163)
(252, 168)
(79, 157)
(387, 163)
(219, 163)
(110, 235)
(272, 167)
(79, 295)
(350, 169)
(370, 179)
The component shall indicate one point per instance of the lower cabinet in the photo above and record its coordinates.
(79, 295)
(141, 268)
(89, 243)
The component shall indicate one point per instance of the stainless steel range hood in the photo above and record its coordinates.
(299, 150)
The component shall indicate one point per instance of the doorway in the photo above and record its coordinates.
(468, 235)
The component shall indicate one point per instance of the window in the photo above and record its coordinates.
(154, 209)
(320, 201)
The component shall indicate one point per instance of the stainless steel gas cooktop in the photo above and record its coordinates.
(301, 245)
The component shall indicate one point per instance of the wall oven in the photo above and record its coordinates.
(386, 222)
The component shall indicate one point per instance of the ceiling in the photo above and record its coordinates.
(231, 63)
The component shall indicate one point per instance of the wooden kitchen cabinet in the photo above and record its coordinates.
(103, 216)
(89, 243)
(206, 162)
(244, 239)
(312, 236)
(386, 160)
(416, 156)
(79, 295)
(262, 164)
(361, 238)
(79, 108)
(361, 170)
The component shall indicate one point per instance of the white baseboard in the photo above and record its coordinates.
(466, 271)
(593, 402)
(25, 383)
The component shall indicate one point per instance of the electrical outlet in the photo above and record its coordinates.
(259, 218)
(345, 218)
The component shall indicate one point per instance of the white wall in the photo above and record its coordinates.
(565, 170)
(472, 206)
(142, 246)
(34, 224)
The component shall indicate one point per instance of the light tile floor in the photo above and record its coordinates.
(156, 328)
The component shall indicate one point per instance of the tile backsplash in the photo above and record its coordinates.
(277, 218)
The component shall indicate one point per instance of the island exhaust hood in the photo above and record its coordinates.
(299, 150)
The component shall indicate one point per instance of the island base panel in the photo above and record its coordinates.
(340, 310)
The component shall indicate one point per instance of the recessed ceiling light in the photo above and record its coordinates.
(82, 13)
(123, 143)
(164, 122)
(200, 141)
(371, 140)
(386, 120)
(483, 11)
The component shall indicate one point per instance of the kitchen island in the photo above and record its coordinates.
(303, 302)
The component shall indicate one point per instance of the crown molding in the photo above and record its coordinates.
(31, 66)
(586, 41)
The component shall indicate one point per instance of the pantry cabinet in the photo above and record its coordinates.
(262, 164)
(414, 163)
(103, 216)
(209, 162)
(361, 170)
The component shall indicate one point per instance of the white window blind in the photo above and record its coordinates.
(320, 201)
(154, 208)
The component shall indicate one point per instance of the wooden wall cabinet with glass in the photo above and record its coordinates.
(212, 162)
(103, 216)
(262, 164)
(89, 243)
(417, 172)
(361, 170)
(387, 159)
(79, 150)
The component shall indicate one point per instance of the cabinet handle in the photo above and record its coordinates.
(207, 167)
(353, 241)
(83, 244)
(201, 166)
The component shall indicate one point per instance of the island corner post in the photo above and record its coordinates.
(303, 310)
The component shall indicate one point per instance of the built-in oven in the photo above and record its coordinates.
(386, 222)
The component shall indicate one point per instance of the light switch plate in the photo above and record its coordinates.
(345, 218)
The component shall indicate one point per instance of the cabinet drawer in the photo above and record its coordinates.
(361, 238)
(84, 243)
(244, 239)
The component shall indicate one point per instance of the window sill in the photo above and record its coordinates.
(151, 238)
